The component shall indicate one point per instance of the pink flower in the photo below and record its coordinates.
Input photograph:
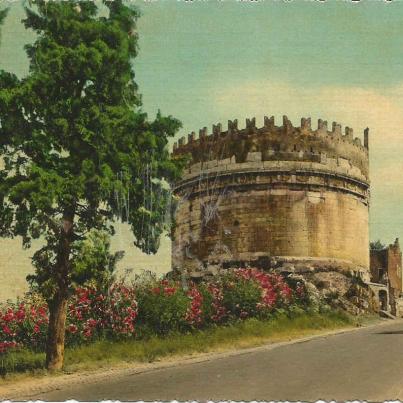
(194, 312)
(72, 328)
(7, 330)
(91, 322)
(9, 316)
(20, 315)
(87, 333)
(42, 311)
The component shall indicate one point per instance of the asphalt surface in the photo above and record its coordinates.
(366, 364)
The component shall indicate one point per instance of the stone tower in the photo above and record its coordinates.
(276, 192)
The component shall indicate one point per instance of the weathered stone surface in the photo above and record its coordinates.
(386, 268)
(339, 291)
(292, 194)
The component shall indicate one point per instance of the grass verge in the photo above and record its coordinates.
(248, 333)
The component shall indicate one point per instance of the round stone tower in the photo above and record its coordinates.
(273, 193)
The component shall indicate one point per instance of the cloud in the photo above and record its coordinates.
(380, 110)
(356, 107)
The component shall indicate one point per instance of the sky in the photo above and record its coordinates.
(206, 62)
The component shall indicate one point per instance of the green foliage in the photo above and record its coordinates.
(377, 245)
(77, 148)
(93, 260)
(207, 303)
(241, 297)
(162, 309)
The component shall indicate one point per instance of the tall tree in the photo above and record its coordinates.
(78, 150)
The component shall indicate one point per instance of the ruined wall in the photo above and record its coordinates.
(395, 266)
(273, 191)
(378, 265)
(388, 260)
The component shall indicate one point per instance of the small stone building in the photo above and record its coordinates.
(386, 269)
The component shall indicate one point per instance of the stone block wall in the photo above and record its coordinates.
(274, 222)
(275, 191)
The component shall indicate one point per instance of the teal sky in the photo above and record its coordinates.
(208, 61)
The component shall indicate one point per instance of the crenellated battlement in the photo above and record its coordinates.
(287, 127)
(282, 143)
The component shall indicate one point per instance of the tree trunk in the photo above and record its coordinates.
(56, 333)
(58, 304)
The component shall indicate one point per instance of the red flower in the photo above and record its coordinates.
(9, 316)
(20, 315)
(43, 311)
(169, 290)
(88, 333)
(7, 330)
(72, 328)
(92, 322)
(194, 312)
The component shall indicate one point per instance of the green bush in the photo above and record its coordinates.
(241, 297)
(207, 304)
(162, 308)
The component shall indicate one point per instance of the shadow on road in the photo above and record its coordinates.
(391, 332)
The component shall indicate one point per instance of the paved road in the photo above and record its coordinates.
(366, 364)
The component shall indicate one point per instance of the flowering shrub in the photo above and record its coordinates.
(163, 307)
(121, 312)
(194, 313)
(213, 310)
(151, 307)
(85, 314)
(255, 293)
(241, 295)
(92, 314)
(23, 324)
(275, 292)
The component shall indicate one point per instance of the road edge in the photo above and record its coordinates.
(27, 390)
